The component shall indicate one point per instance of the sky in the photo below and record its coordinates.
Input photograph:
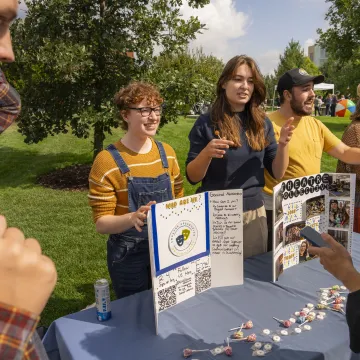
(258, 28)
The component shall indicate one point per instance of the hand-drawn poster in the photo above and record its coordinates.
(196, 243)
(323, 201)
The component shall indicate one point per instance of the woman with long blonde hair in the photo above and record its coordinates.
(232, 145)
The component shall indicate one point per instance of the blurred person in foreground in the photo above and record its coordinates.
(27, 278)
(337, 261)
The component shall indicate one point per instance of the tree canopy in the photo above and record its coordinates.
(342, 43)
(185, 79)
(72, 56)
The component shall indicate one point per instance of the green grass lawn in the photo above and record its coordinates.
(61, 220)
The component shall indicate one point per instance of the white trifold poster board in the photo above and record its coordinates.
(196, 243)
(323, 201)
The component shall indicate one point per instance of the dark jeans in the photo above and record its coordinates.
(327, 110)
(332, 109)
(269, 219)
(129, 265)
(317, 109)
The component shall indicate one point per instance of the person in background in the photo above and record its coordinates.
(351, 137)
(334, 101)
(317, 104)
(327, 105)
(338, 262)
(125, 180)
(231, 146)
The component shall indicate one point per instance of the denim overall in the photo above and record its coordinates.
(128, 253)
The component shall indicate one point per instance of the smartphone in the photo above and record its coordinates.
(313, 237)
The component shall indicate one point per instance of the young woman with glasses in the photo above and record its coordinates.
(232, 144)
(125, 180)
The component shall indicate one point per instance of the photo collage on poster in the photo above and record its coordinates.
(324, 202)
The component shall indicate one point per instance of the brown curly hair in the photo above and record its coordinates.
(133, 94)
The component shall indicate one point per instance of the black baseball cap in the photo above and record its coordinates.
(296, 77)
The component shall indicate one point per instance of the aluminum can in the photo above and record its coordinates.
(102, 298)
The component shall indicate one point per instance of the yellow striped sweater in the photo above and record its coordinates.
(108, 193)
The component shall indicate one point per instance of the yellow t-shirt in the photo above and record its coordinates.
(310, 138)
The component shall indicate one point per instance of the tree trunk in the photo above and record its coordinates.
(99, 135)
(99, 138)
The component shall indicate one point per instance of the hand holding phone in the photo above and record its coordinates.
(313, 237)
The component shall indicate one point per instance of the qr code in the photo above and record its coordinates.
(202, 281)
(167, 297)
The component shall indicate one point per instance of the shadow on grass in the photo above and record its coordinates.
(62, 307)
(21, 168)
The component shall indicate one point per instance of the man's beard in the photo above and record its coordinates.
(298, 109)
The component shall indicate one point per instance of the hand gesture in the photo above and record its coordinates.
(27, 278)
(286, 132)
(336, 259)
(138, 217)
(216, 148)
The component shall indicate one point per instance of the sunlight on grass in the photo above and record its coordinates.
(61, 220)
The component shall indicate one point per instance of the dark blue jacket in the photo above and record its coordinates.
(240, 168)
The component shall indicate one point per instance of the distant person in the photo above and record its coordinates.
(334, 101)
(317, 104)
(342, 97)
(310, 138)
(337, 261)
(327, 105)
(125, 180)
(351, 137)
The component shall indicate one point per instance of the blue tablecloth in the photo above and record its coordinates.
(203, 321)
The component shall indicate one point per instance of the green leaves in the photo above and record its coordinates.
(294, 57)
(342, 43)
(72, 58)
(184, 79)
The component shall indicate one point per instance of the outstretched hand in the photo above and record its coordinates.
(286, 132)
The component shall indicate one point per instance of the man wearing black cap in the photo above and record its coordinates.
(310, 138)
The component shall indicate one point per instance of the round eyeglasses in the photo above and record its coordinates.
(146, 111)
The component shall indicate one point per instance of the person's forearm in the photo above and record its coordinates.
(281, 161)
(114, 224)
(351, 156)
(196, 169)
(352, 280)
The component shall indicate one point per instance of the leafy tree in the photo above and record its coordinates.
(342, 43)
(345, 76)
(185, 79)
(342, 39)
(294, 57)
(72, 56)
(270, 82)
